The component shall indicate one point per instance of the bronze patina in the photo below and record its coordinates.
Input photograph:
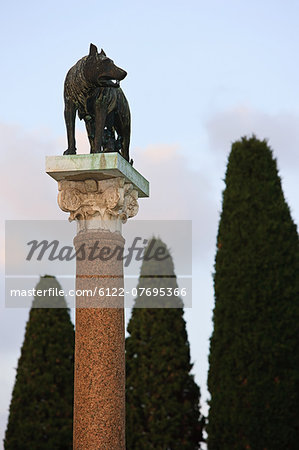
(92, 87)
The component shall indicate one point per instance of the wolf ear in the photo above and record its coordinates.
(102, 53)
(93, 51)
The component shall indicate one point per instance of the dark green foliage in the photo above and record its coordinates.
(254, 358)
(162, 396)
(41, 410)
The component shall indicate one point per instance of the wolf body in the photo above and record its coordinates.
(100, 102)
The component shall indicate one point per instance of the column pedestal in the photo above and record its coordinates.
(100, 192)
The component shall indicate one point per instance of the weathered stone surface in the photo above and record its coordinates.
(108, 203)
(101, 166)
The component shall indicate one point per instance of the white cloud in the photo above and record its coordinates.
(176, 192)
(280, 130)
(27, 191)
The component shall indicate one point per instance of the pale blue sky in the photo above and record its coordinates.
(200, 75)
(185, 60)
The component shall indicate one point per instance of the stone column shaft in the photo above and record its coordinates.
(99, 401)
(100, 208)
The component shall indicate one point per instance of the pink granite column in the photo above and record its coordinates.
(99, 403)
(100, 192)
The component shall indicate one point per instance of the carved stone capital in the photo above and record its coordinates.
(100, 204)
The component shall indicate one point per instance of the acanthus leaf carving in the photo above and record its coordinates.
(106, 199)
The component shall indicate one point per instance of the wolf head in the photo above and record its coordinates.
(99, 69)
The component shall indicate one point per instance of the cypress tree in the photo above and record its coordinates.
(41, 409)
(162, 409)
(254, 360)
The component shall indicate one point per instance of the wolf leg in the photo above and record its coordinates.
(123, 129)
(126, 142)
(70, 116)
(90, 128)
(100, 119)
(123, 123)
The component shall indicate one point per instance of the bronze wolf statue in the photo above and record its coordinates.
(89, 89)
